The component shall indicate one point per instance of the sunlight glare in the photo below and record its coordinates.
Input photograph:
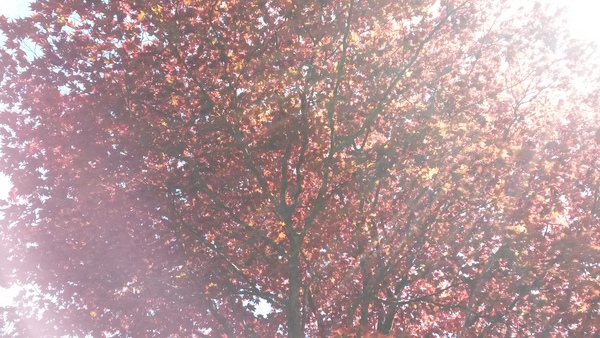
(582, 18)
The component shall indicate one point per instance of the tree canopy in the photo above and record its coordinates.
(319, 168)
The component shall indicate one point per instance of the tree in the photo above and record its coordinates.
(321, 168)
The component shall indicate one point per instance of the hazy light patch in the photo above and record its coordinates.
(582, 18)
(7, 295)
(5, 186)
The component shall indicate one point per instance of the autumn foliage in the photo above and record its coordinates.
(343, 168)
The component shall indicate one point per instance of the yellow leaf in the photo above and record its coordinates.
(93, 314)
(446, 187)
(141, 15)
(518, 229)
(280, 237)
(430, 173)
(156, 9)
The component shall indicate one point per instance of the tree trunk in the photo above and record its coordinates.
(294, 316)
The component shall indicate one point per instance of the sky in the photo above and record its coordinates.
(583, 15)
(582, 18)
(14, 8)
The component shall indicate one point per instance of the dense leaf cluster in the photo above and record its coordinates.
(302, 168)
